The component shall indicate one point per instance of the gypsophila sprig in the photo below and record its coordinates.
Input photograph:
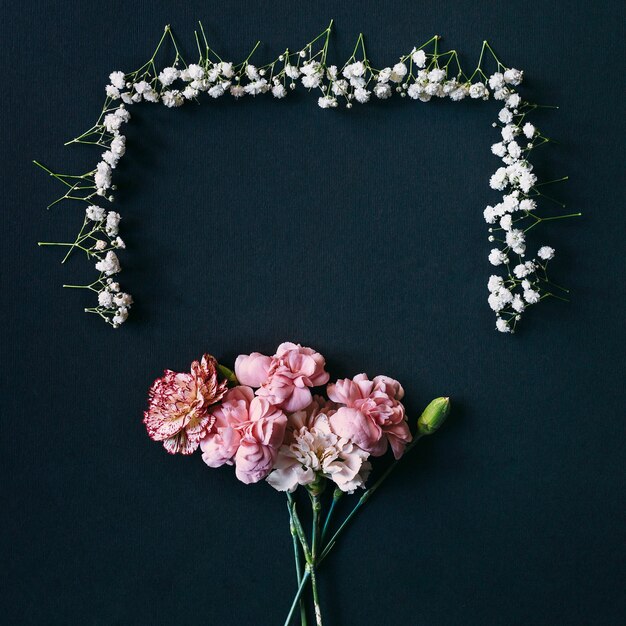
(423, 74)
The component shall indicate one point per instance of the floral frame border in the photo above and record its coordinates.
(422, 74)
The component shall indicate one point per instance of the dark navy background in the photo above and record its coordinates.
(359, 233)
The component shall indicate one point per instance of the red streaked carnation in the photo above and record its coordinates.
(178, 414)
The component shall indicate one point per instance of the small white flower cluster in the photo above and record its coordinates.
(510, 219)
(421, 75)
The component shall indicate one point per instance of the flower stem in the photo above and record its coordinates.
(316, 601)
(296, 599)
(363, 499)
(316, 507)
(337, 494)
(296, 554)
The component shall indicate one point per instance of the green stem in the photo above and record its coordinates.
(296, 599)
(316, 600)
(363, 499)
(296, 554)
(337, 495)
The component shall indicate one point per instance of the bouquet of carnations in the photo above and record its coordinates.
(264, 419)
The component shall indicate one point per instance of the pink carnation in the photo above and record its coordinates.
(178, 413)
(373, 415)
(293, 370)
(247, 432)
(252, 369)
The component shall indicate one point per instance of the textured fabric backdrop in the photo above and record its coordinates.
(359, 233)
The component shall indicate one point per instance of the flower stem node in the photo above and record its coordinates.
(434, 416)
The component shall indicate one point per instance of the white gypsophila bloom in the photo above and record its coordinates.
(513, 76)
(460, 93)
(495, 303)
(123, 113)
(256, 87)
(327, 102)
(510, 202)
(105, 299)
(490, 215)
(110, 158)
(509, 132)
(382, 91)
(292, 71)
(506, 222)
(120, 317)
(496, 81)
(195, 72)
(340, 87)
(398, 72)
(112, 122)
(358, 82)
(546, 253)
(384, 75)
(118, 145)
(434, 89)
(354, 70)
(226, 69)
(501, 94)
(112, 224)
(117, 79)
(311, 81)
(419, 58)
(112, 286)
(529, 130)
(189, 93)
(495, 283)
(119, 243)
(150, 95)
(514, 150)
(513, 101)
(95, 213)
(168, 75)
(217, 90)
(499, 179)
(279, 91)
(502, 325)
(516, 241)
(331, 72)
(527, 205)
(123, 299)
(526, 180)
(499, 149)
(526, 284)
(518, 304)
(531, 296)
(142, 86)
(126, 97)
(505, 116)
(361, 95)
(449, 86)
(100, 245)
(521, 271)
(109, 265)
(172, 98)
(478, 90)
(102, 176)
(252, 73)
(497, 257)
(436, 75)
(414, 91)
(112, 91)
(237, 91)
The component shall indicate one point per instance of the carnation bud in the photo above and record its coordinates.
(434, 416)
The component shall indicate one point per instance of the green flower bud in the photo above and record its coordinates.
(434, 416)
